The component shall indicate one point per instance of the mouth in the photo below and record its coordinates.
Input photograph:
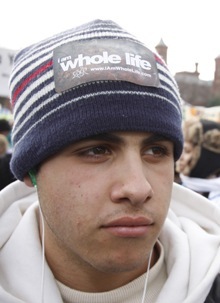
(129, 227)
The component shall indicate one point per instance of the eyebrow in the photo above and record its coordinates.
(108, 137)
(114, 138)
(155, 138)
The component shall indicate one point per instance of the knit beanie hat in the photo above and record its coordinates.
(204, 137)
(92, 79)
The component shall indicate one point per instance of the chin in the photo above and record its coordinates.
(124, 264)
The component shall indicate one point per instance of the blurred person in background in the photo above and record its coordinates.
(199, 164)
(5, 129)
(3, 145)
(6, 109)
(6, 176)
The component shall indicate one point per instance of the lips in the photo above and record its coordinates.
(129, 227)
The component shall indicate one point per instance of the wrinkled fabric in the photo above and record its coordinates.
(190, 238)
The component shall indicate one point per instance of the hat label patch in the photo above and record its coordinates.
(81, 62)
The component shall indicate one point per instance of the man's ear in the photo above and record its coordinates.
(30, 179)
(27, 181)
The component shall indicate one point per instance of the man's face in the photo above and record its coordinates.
(105, 200)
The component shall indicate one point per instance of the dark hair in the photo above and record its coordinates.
(4, 125)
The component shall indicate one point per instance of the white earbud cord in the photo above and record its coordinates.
(147, 276)
(43, 257)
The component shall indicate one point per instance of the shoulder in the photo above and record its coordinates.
(16, 191)
(186, 203)
(187, 200)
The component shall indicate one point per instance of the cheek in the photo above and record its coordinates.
(65, 196)
(165, 190)
(162, 184)
(64, 214)
(163, 175)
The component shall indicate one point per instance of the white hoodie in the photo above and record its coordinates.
(190, 238)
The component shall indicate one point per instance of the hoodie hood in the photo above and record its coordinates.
(190, 237)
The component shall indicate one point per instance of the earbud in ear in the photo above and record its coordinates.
(32, 174)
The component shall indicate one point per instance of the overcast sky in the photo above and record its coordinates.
(190, 28)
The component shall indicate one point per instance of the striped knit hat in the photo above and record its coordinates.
(92, 79)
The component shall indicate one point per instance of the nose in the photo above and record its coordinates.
(131, 183)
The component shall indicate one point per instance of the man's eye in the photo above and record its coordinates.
(98, 150)
(157, 151)
(95, 151)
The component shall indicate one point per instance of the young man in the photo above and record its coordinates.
(97, 218)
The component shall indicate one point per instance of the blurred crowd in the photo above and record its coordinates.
(6, 149)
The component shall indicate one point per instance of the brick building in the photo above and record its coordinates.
(193, 90)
